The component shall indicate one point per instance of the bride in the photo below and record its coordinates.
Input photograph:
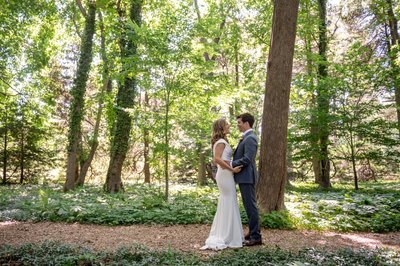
(226, 230)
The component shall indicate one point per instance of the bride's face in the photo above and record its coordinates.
(226, 128)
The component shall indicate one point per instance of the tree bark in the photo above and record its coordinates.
(106, 88)
(81, 8)
(125, 100)
(395, 40)
(216, 39)
(146, 146)
(273, 171)
(313, 123)
(353, 157)
(22, 156)
(5, 138)
(323, 101)
(78, 92)
(201, 175)
(166, 139)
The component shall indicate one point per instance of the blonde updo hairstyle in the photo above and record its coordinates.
(218, 131)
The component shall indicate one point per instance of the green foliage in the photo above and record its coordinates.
(55, 253)
(344, 209)
(277, 220)
(139, 204)
(373, 208)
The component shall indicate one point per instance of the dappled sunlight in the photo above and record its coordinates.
(8, 223)
(366, 240)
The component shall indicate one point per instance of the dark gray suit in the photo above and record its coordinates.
(245, 155)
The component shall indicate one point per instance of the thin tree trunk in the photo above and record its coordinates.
(125, 100)
(395, 40)
(289, 166)
(353, 157)
(236, 66)
(323, 101)
(273, 171)
(313, 127)
(21, 162)
(81, 8)
(204, 40)
(166, 139)
(146, 146)
(78, 92)
(201, 175)
(5, 150)
(314, 146)
(106, 88)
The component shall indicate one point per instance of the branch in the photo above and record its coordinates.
(81, 8)
(76, 25)
(196, 5)
(221, 27)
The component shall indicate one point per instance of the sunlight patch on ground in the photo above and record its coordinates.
(7, 223)
(362, 240)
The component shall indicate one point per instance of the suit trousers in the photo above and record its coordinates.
(248, 192)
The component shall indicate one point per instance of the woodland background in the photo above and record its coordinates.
(109, 92)
(108, 96)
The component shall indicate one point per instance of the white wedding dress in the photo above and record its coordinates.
(226, 230)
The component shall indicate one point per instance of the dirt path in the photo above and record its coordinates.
(187, 238)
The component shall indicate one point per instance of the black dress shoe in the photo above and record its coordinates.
(253, 242)
(247, 236)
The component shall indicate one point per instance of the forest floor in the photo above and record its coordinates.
(185, 238)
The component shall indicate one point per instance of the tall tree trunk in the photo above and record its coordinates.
(106, 88)
(273, 171)
(146, 151)
(323, 101)
(313, 123)
(78, 92)
(314, 132)
(289, 167)
(125, 100)
(395, 40)
(22, 156)
(236, 65)
(5, 138)
(201, 175)
(353, 157)
(166, 139)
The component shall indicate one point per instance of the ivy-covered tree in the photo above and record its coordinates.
(323, 101)
(78, 92)
(127, 89)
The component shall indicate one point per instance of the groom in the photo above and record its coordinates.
(245, 155)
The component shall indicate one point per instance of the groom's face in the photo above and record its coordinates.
(242, 126)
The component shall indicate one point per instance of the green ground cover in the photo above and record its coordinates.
(375, 207)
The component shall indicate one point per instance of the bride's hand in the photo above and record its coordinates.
(237, 169)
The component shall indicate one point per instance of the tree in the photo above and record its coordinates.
(362, 133)
(379, 21)
(393, 50)
(323, 99)
(105, 89)
(273, 172)
(78, 92)
(125, 101)
(25, 41)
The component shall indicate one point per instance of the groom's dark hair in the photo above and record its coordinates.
(246, 117)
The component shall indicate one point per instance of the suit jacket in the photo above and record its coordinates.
(245, 154)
